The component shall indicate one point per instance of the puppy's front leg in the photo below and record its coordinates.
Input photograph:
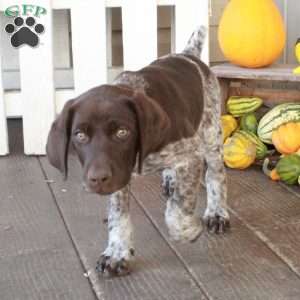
(116, 258)
(181, 186)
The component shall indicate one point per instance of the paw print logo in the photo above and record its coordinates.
(24, 33)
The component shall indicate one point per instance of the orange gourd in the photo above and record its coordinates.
(270, 173)
(274, 175)
(251, 32)
(286, 138)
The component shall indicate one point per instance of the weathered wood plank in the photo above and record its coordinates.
(235, 266)
(274, 72)
(158, 274)
(224, 86)
(271, 209)
(293, 189)
(37, 87)
(37, 258)
(260, 201)
(271, 97)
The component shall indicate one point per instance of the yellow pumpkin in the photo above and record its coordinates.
(252, 33)
(286, 138)
(229, 125)
(239, 152)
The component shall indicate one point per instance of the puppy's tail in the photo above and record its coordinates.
(196, 41)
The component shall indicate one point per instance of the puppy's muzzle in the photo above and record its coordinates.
(99, 180)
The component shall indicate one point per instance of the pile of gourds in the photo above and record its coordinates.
(246, 139)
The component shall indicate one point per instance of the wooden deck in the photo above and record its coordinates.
(51, 234)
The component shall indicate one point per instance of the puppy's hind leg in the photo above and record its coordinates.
(216, 215)
(181, 187)
(119, 253)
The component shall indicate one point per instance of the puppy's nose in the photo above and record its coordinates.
(99, 177)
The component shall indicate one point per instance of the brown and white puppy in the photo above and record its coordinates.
(164, 117)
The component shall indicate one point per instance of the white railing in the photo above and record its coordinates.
(37, 102)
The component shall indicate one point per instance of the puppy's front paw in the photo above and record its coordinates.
(114, 264)
(217, 224)
(107, 266)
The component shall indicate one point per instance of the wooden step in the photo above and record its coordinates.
(276, 72)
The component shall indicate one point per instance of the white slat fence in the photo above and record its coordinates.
(3, 124)
(188, 15)
(88, 44)
(139, 19)
(38, 101)
(37, 87)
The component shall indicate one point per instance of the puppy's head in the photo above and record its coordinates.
(110, 128)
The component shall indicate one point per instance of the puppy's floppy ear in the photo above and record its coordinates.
(59, 139)
(154, 125)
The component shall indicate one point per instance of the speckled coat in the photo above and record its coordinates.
(194, 149)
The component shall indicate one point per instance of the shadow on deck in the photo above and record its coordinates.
(51, 234)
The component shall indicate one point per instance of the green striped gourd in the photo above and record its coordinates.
(261, 148)
(288, 168)
(279, 115)
(239, 106)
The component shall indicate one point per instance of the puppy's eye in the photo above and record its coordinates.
(81, 137)
(122, 133)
